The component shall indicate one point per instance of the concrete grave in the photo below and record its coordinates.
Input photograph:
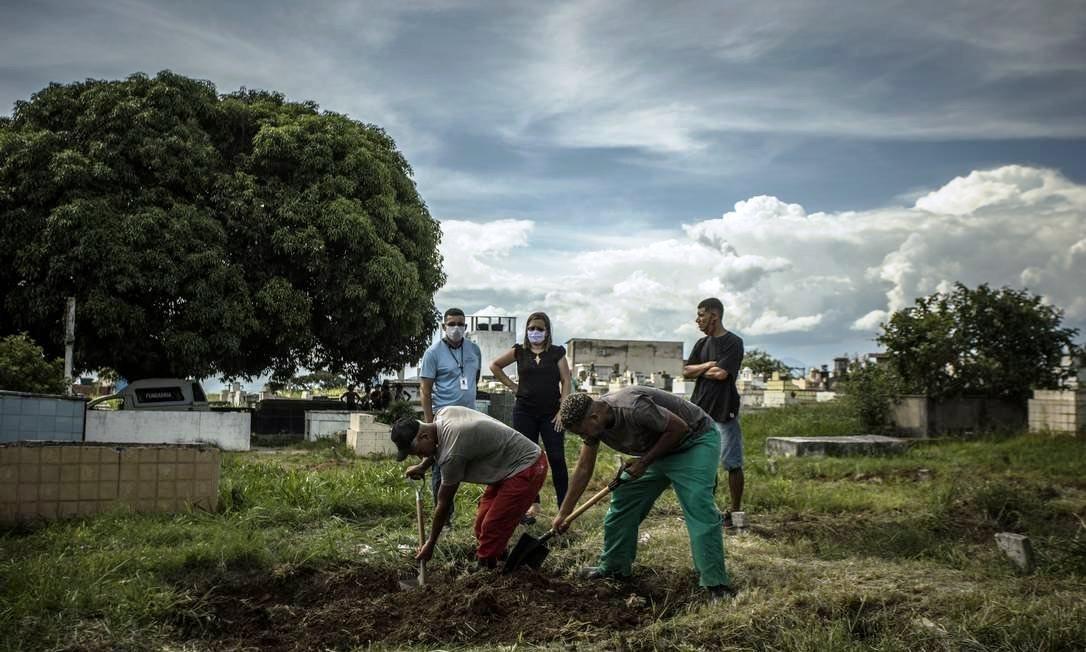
(834, 446)
(326, 424)
(57, 480)
(1058, 410)
(367, 437)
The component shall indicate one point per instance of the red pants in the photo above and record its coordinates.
(502, 505)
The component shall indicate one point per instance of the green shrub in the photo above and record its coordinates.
(395, 411)
(24, 368)
(871, 391)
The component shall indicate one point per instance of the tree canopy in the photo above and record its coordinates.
(997, 343)
(211, 235)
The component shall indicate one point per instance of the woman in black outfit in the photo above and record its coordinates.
(543, 380)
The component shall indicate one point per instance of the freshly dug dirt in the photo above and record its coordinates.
(356, 605)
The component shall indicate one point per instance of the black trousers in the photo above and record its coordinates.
(554, 444)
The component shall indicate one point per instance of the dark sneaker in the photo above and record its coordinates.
(597, 573)
(527, 519)
(721, 593)
(485, 564)
(727, 520)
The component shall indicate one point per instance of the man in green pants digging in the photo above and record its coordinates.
(677, 444)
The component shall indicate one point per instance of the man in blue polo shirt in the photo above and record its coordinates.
(448, 375)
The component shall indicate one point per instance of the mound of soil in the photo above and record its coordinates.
(352, 606)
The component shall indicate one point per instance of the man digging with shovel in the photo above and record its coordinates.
(676, 444)
(473, 447)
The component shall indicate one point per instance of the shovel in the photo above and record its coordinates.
(415, 582)
(531, 551)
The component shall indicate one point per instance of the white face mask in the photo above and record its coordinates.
(537, 337)
(455, 333)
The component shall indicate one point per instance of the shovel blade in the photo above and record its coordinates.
(412, 582)
(529, 551)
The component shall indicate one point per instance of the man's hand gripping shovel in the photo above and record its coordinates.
(531, 551)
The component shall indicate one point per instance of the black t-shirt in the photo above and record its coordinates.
(719, 398)
(539, 388)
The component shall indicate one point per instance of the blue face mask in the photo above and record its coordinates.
(537, 337)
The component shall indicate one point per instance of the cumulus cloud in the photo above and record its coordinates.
(790, 279)
(477, 254)
(1005, 187)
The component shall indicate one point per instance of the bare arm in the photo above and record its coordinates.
(717, 373)
(672, 436)
(501, 362)
(445, 496)
(692, 371)
(567, 377)
(426, 397)
(586, 464)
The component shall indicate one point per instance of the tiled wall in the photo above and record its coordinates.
(39, 480)
(1058, 411)
(40, 417)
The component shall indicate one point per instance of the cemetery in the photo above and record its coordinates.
(160, 234)
(302, 547)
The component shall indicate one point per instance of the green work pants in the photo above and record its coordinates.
(692, 471)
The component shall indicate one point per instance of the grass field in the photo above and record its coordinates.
(886, 553)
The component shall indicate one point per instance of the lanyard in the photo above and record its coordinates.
(460, 362)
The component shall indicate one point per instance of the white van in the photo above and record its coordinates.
(160, 394)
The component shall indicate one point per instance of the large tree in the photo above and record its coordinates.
(998, 343)
(211, 235)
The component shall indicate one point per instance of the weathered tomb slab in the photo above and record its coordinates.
(834, 446)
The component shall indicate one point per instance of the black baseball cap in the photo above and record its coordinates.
(403, 435)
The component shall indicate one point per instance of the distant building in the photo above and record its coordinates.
(634, 361)
(494, 336)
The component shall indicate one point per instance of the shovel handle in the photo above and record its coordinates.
(419, 517)
(422, 533)
(600, 495)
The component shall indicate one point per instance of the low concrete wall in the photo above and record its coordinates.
(920, 416)
(39, 480)
(326, 424)
(227, 430)
(40, 417)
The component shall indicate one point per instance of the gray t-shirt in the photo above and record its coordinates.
(640, 421)
(473, 447)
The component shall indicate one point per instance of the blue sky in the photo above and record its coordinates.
(815, 164)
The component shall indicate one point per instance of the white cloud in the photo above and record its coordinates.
(770, 323)
(870, 321)
(786, 276)
(477, 254)
(622, 74)
(1011, 185)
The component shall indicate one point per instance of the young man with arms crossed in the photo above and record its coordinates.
(714, 363)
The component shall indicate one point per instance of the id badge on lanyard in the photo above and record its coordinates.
(463, 382)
